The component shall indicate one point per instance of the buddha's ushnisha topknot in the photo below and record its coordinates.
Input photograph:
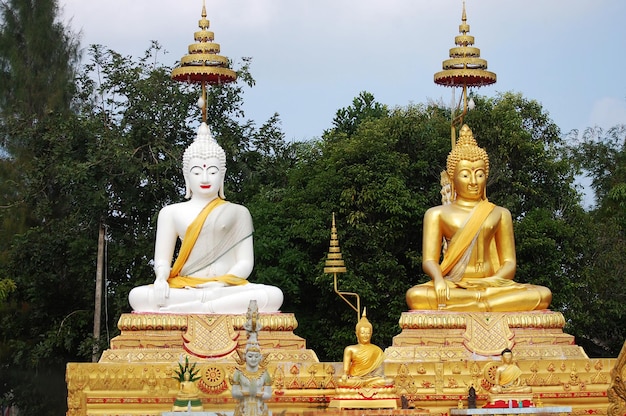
(466, 149)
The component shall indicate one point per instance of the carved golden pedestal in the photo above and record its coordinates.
(444, 336)
(164, 337)
(439, 355)
(514, 398)
(365, 398)
(137, 374)
(364, 403)
(433, 361)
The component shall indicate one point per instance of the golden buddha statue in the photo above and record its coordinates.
(362, 362)
(478, 266)
(507, 377)
(188, 397)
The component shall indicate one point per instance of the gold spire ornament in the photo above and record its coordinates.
(202, 64)
(335, 265)
(464, 69)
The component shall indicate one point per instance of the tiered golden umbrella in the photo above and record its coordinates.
(464, 69)
(202, 64)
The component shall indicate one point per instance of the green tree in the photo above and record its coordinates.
(601, 154)
(38, 57)
(37, 68)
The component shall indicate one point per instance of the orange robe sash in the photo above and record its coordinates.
(463, 238)
(191, 236)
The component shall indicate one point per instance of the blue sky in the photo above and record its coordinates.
(312, 57)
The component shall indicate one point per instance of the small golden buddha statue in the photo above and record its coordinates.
(362, 362)
(188, 397)
(363, 384)
(507, 377)
(478, 266)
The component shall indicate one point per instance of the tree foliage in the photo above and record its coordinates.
(38, 57)
(602, 155)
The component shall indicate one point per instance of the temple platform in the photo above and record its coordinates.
(443, 336)
(434, 360)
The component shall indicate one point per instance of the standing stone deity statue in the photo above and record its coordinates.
(478, 266)
(216, 255)
(251, 383)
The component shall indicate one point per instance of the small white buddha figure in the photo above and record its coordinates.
(216, 255)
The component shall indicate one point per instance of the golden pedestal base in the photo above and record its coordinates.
(365, 398)
(439, 355)
(153, 338)
(444, 336)
(435, 359)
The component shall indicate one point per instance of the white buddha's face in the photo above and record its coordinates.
(205, 178)
(470, 180)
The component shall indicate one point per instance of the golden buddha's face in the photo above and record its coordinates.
(470, 179)
(364, 335)
(507, 357)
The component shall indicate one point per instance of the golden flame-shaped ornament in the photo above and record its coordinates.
(334, 261)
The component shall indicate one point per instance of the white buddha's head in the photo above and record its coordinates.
(204, 148)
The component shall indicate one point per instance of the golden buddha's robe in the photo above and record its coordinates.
(366, 360)
(509, 376)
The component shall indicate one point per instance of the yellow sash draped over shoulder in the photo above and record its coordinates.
(461, 241)
(191, 236)
(509, 375)
(367, 359)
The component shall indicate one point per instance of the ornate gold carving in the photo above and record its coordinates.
(617, 389)
(178, 322)
(487, 334)
(269, 321)
(213, 380)
(455, 320)
(210, 336)
(150, 321)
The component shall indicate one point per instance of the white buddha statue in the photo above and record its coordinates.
(216, 256)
